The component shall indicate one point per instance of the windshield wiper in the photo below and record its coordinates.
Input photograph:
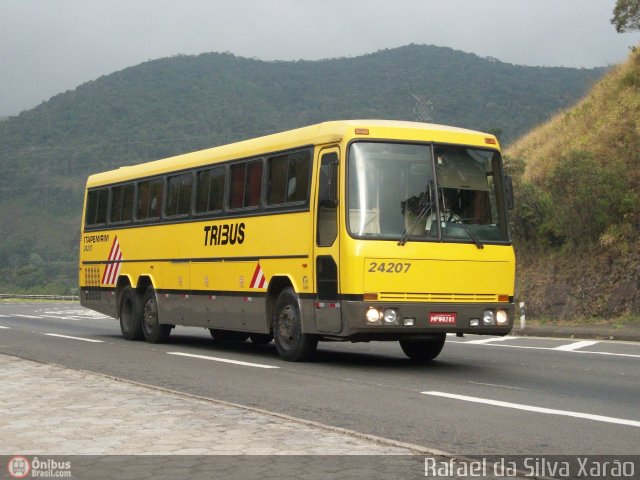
(425, 197)
(477, 242)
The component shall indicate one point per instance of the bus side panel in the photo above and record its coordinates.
(94, 293)
(308, 311)
(100, 300)
(244, 313)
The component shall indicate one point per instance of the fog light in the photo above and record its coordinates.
(373, 315)
(488, 318)
(409, 321)
(502, 317)
(390, 316)
(474, 322)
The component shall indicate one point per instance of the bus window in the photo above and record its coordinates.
(253, 185)
(277, 180)
(179, 195)
(246, 184)
(470, 195)
(388, 185)
(121, 204)
(238, 173)
(210, 190)
(150, 195)
(327, 215)
(288, 178)
(97, 202)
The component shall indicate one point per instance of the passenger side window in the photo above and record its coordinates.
(150, 195)
(179, 195)
(97, 203)
(246, 184)
(210, 190)
(288, 178)
(121, 204)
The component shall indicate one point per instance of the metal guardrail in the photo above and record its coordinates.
(70, 298)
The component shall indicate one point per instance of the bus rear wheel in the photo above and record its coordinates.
(423, 350)
(153, 330)
(130, 314)
(291, 343)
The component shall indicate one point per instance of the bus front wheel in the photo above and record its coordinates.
(130, 314)
(423, 350)
(292, 345)
(153, 330)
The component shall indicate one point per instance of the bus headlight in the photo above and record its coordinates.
(390, 316)
(488, 318)
(502, 317)
(374, 315)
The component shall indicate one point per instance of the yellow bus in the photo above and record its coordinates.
(355, 230)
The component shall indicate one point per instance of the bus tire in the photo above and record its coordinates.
(423, 350)
(152, 329)
(292, 345)
(130, 314)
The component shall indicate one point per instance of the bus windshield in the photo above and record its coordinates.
(420, 192)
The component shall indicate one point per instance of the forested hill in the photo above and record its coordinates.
(183, 103)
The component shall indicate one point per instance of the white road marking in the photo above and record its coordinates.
(609, 353)
(223, 360)
(528, 347)
(488, 340)
(530, 408)
(496, 385)
(5, 328)
(575, 345)
(60, 317)
(25, 316)
(570, 351)
(73, 338)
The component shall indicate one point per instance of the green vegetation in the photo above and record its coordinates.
(580, 201)
(577, 218)
(185, 103)
(626, 15)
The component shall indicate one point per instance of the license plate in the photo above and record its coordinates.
(442, 318)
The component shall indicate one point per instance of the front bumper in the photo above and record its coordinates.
(414, 319)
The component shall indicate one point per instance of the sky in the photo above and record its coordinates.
(51, 46)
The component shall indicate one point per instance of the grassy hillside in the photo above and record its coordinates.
(184, 103)
(578, 208)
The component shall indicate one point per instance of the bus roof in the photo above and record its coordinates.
(319, 134)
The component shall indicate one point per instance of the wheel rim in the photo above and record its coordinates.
(150, 317)
(287, 327)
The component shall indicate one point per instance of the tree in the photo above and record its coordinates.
(626, 15)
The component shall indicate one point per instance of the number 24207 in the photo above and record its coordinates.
(389, 267)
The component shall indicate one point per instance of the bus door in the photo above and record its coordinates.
(326, 251)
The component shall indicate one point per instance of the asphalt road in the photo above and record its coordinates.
(482, 396)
